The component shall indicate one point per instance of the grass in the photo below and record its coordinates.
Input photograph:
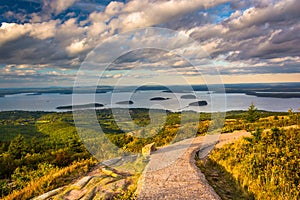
(222, 181)
(55, 179)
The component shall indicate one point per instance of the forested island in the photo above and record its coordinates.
(125, 102)
(188, 96)
(198, 103)
(159, 99)
(83, 106)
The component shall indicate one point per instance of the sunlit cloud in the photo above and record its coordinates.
(49, 40)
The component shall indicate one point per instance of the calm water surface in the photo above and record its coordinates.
(141, 99)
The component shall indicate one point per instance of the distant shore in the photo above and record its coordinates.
(275, 90)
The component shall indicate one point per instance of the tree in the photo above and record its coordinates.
(18, 147)
(292, 116)
(257, 134)
(7, 166)
(35, 145)
(75, 145)
(252, 114)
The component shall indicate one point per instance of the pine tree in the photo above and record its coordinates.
(252, 114)
(18, 147)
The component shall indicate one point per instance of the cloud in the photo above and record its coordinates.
(114, 8)
(265, 31)
(280, 11)
(73, 38)
(30, 75)
(148, 13)
(242, 36)
(242, 4)
(41, 31)
(188, 21)
(77, 47)
(56, 6)
(59, 6)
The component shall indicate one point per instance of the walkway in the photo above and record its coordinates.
(172, 174)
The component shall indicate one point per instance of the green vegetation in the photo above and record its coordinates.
(264, 166)
(44, 148)
(38, 147)
(222, 181)
(40, 151)
(253, 119)
(252, 115)
(45, 178)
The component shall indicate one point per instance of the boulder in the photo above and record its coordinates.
(146, 150)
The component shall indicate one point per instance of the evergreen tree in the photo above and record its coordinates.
(252, 114)
(257, 134)
(75, 145)
(18, 147)
(35, 145)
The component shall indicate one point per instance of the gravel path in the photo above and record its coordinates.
(172, 173)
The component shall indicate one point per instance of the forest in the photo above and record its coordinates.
(40, 151)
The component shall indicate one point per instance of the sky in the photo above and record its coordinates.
(54, 43)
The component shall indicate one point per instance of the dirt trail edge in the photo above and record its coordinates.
(172, 173)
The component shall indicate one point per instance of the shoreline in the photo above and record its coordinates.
(141, 108)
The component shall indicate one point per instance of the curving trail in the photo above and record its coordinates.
(172, 173)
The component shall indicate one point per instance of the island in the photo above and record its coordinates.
(167, 91)
(188, 96)
(159, 99)
(274, 94)
(125, 102)
(70, 107)
(198, 103)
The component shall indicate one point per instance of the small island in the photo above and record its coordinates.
(198, 103)
(70, 107)
(188, 96)
(125, 102)
(159, 99)
(167, 91)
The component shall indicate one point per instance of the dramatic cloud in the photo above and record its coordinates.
(147, 13)
(241, 36)
(274, 12)
(42, 31)
(257, 34)
(58, 6)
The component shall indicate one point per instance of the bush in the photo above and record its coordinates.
(267, 164)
